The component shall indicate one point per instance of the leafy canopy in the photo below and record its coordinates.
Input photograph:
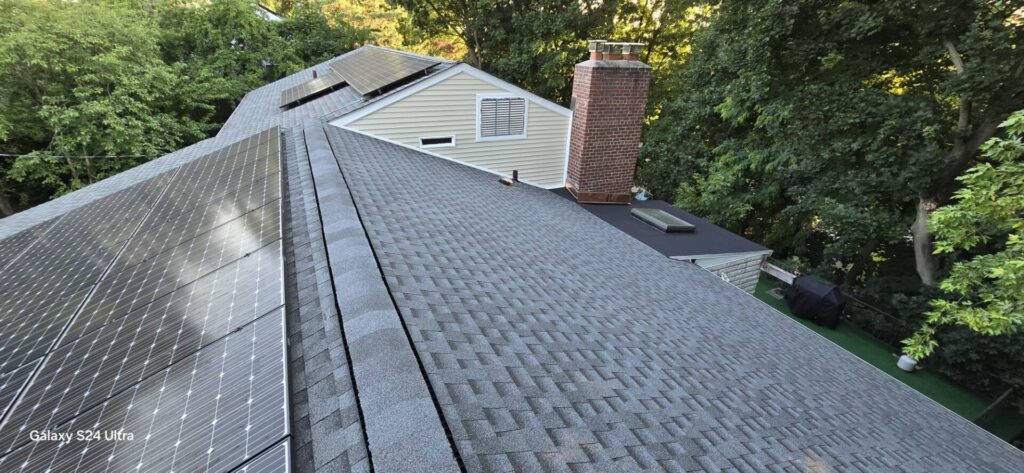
(85, 79)
(815, 127)
(986, 291)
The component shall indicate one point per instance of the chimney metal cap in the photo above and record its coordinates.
(632, 48)
(609, 47)
(595, 44)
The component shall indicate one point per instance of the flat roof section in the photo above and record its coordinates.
(706, 238)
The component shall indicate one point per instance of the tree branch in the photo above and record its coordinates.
(954, 55)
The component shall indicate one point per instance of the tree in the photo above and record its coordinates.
(665, 27)
(83, 79)
(986, 290)
(225, 39)
(531, 43)
(826, 129)
(317, 34)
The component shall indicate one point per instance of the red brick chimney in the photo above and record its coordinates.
(609, 96)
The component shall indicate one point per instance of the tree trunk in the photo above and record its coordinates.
(6, 206)
(925, 260)
(966, 143)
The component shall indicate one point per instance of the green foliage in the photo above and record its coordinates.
(87, 79)
(532, 44)
(317, 34)
(226, 39)
(986, 289)
(91, 78)
(815, 127)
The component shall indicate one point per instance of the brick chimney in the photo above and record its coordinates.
(609, 96)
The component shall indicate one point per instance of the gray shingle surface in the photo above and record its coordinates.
(403, 427)
(326, 422)
(554, 342)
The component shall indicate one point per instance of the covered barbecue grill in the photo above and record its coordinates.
(813, 299)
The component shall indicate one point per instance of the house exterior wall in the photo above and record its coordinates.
(742, 271)
(450, 108)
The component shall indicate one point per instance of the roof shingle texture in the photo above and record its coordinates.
(326, 425)
(554, 342)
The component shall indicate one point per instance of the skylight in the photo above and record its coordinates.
(665, 221)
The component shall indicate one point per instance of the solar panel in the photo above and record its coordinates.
(169, 296)
(24, 338)
(12, 247)
(369, 69)
(205, 223)
(93, 367)
(73, 254)
(274, 460)
(11, 384)
(325, 83)
(194, 416)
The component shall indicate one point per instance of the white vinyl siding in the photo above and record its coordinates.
(742, 271)
(449, 108)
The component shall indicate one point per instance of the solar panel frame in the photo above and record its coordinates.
(370, 69)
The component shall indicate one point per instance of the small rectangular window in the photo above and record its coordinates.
(437, 142)
(501, 118)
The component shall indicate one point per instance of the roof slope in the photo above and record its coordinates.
(538, 336)
(555, 342)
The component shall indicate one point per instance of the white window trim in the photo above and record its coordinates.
(526, 116)
(440, 145)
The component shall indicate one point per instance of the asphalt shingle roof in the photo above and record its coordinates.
(555, 342)
(519, 332)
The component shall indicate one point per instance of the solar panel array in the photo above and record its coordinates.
(332, 80)
(369, 69)
(148, 326)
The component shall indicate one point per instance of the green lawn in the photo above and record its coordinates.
(1004, 422)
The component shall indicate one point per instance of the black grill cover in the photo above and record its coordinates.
(813, 299)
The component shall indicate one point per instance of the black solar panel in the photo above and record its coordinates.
(11, 384)
(26, 337)
(274, 460)
(157, 310)
(369, 69)
(119, 354)
(327, 82)
(15, 245)
(208, 412)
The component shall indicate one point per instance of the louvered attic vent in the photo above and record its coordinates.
(502, 117)
(663, 220)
